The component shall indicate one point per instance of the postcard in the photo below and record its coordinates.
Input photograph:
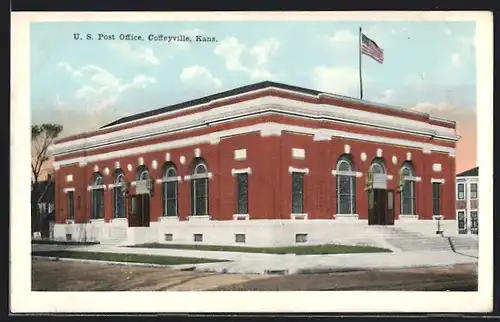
(252, 162)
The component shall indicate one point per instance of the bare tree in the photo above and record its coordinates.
(42, 136)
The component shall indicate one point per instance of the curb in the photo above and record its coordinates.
(52, 258)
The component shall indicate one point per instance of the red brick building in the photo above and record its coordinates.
(266, 163)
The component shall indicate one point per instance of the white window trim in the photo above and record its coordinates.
(470, 191)
(413, 178)
(66, 190)
(237, 216)
(347, 173)
(102, 186)
(299, 170)
(169, 179)
(96, 220)
(434, 180)
(297, 216)
(458, 184)
(240, 171)
(437, 217)
(346, 216)
(408, 217)
(198, 176)
(117, 220)
(70, 221)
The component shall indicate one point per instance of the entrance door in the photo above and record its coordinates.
(133, 215)
(378, 207)
(390, 208)
(138, 212)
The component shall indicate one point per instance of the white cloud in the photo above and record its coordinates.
(337, 80)
(233, 52)
(141, 53)
(192, 33)
(428, 107)
(344, 36)
(456, 59)
(386, 97)
(199, 74)
(100, 88)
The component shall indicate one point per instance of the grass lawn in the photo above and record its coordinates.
(298, 250)
(126, 258)
(61, 242)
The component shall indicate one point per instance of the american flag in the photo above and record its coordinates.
(371, 49)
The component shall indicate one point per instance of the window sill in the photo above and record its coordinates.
(96, 221)
(119, 220)
(408, 217)
(299, 216)
(437, 217)
(241, 217)
(346, 216)
(205, 217)
(164, 218)
(70, 221)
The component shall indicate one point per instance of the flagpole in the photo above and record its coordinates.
(360, 76)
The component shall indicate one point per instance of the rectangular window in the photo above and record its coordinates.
(473, 190)
(200, 196)
(170, 198)
(242, 193)
(198, 237)
(462, 222)
(474, 224)
(297, 193)
(240, 238)
(71, 205)
(300, 238)
(436, 187)
(461, 191)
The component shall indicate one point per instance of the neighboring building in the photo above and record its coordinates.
(264, 164)
(43, 198)
(468, 201)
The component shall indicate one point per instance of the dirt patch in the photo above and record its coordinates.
(455, 278)
(71, 276)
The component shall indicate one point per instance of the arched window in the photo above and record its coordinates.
(377, 166)
(142, 173)
(408, 192)
(118, 198)
(199, 188)
(97, 200)
(346, 186)
(170, 190)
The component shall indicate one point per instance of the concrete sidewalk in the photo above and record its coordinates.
(255, 263)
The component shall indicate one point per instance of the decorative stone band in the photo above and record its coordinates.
(102, 186)
(266, 128)
(169, 179)
(347, 173)
(408, 217)
(241, 217)
(240, 171)
(299, 216)
(198, 176)
(433, 180)
(66, 190)
(292, 169)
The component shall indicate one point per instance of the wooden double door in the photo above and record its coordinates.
(138, 210)
(381, 207)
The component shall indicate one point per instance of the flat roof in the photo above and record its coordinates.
(250, 88)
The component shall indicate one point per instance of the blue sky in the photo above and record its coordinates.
(429, 66)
